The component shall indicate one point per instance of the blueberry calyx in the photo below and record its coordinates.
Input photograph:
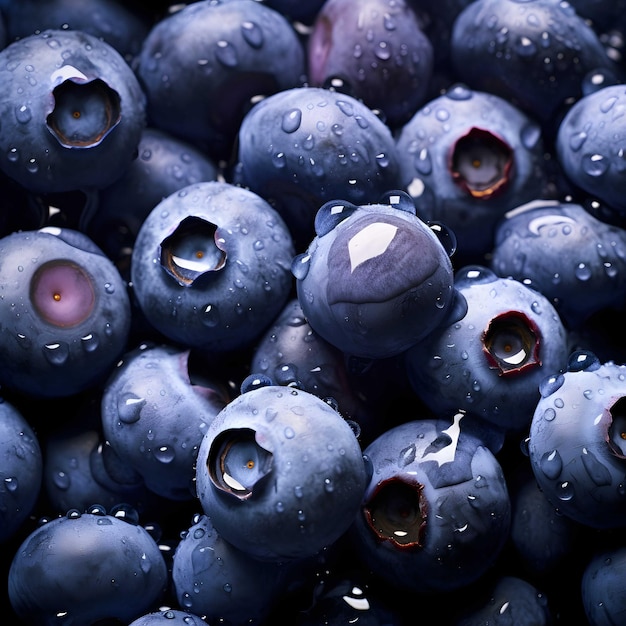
(481, 163)
(62, 293)
(397, 513)
(237, 463)
(511, 343)
(84, 113)
(192, 250)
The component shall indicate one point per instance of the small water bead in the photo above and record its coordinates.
(210, 315)
(164, 454)
(565, 491)
(10, 484)
(596, 470)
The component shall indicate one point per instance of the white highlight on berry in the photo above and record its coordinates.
(370, 242)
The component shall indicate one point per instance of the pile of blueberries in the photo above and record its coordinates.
(311, 312)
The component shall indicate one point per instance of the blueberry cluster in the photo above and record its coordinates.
(311, 312)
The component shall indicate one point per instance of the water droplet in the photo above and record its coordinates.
(210, 316)
(577, 140)
(596, 470)
(329, 487)
(32, 166)
(164, 454)
(226, 53)
(550, 384)
(90, 342)
(551, 464)
(300, 266)
(594, 164)
(291, 120)
(11, 484)
(565, 491)
(252, 33)
(423, 162)
(129, 407)
(582, 272)
(56, 353)
(289, 432)
(227, 587)
(23, 114)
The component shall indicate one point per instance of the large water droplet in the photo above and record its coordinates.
(291, 120)
(226, 53)
(551, 464)
(129, 407)
(252, 33)
(56, 353)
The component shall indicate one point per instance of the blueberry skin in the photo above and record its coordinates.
(213, 578)
(280, 473)
(467, 157)
(563, 251)
(575, 447)
(305, 146)
(73, 118)
(164, 164)
(169, 617)
(602, 587)
(587, 145)
(154, 416)
(490, 359)
(21, 470)
(544, 540)
(379, 51)
(202, 66)
(86, 567)
(109, 20)
(211, 266)
(65, 313)
(512, 600)
(436, 512)
(291, 353)
(376, 279)
(534, 54)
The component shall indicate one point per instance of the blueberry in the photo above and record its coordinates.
(587, 145)
(213, 578)
(376, 279)
(154, 416)
(490, 358)
(377, 49)
(576, 441)
(467, 157)
(436, 512)
(305, 146)
(563, 251)
(83, 567)
(164, 164)
(21, 470)
(73, 112)
(203, 65)
(280, 473)
(210, 267)
(65, 312)
(543, 539)
(109, 20)
(602, 587)
(533, 53)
